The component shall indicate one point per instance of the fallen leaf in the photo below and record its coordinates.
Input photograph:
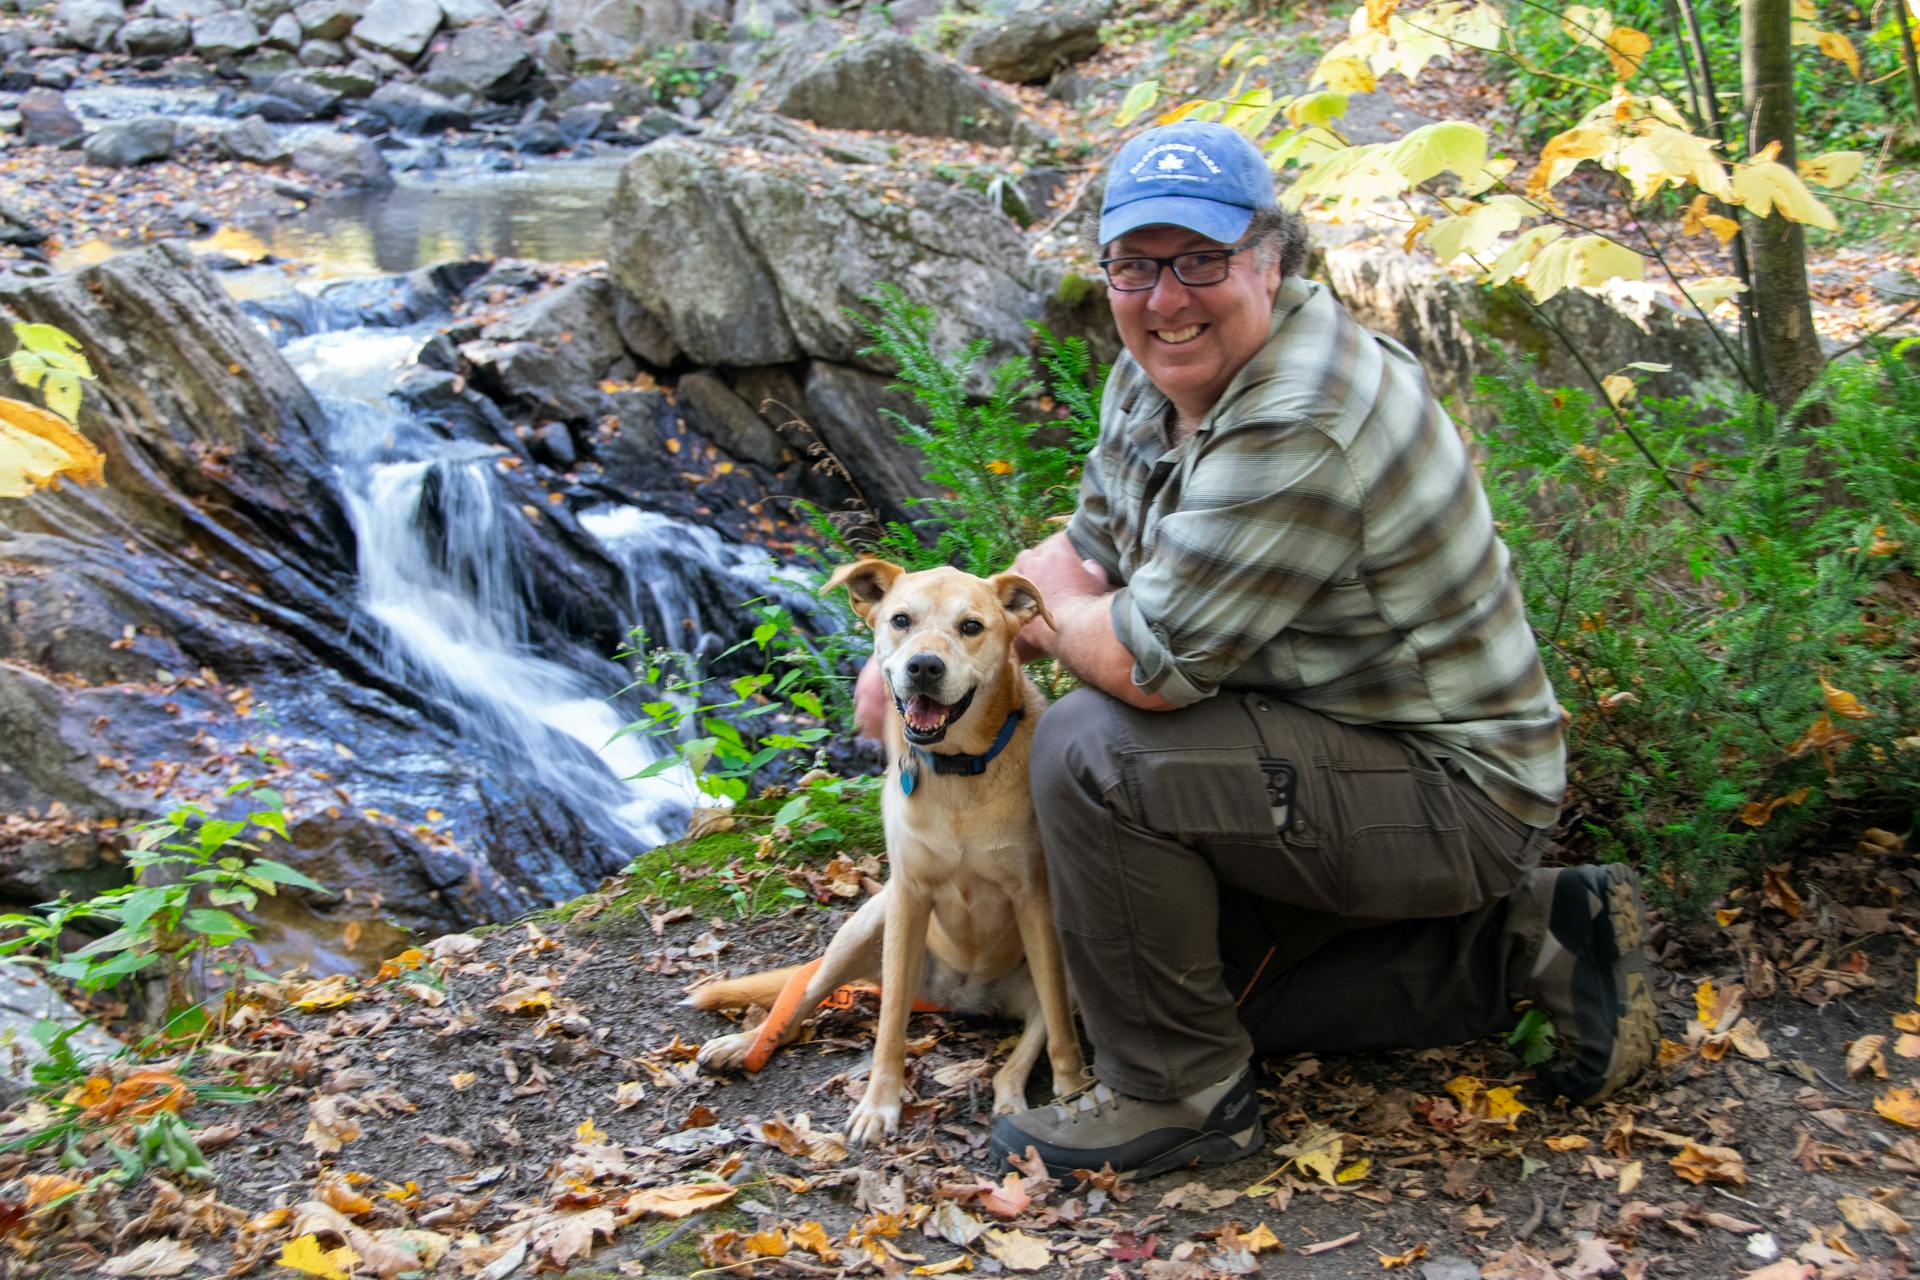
(1388, 1261)
(1261, 1239)
(1592, 1257)
(963, 1262)
(1870, 1215)
(1630, 1175)
(162, 1257)
(1016, 1250)
(1865, 1057)
(304, 1254)
(1198, 1197)
(45, 1188)
(680, 1200)
(1902, 1106)
(812, 1237)
(951, 1223)
(1571, 1142)
(1328, 1246)
(1701, 1164)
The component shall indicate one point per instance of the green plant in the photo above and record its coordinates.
(1742, 677)
(188, 867)
(667, 75)
(1012, 479)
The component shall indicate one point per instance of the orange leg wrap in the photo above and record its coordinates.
(786, 1007)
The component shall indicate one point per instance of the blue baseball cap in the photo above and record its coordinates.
(1204, 177)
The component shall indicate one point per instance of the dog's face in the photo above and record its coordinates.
(941, 636)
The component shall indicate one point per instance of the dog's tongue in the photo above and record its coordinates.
(924, 713)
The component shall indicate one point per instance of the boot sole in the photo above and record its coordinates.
(1617, 978)
(1202, 1149)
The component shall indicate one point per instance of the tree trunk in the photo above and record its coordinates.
(1789, 347)
(1908, 59)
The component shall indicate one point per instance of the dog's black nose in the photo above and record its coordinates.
(925, 670)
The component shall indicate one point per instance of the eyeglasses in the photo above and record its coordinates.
(1202, 267)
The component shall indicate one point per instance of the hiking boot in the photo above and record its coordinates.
(1590, 977)
(1096, 1126)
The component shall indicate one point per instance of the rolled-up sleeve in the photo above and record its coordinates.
(1225, 577)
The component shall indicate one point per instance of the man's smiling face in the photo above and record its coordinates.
(1191, 341)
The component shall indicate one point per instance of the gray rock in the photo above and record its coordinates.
(578, 124)
(757, 266)
(488, 62)
(598, 30)
(655, 124)
(327, 19)
(285, 33)
(464, 13)
(717, 413)
(342, 158)
(322, 53)
(641, 330)
(553, 55)
(550, 354)
(410, 108)
(182, 10)
(553, 444)
(252, 141)
(46, 120)
(539, 138)
(883, 81)
(845, 408)
(125, 143)
(264, 12)
(22, 1006)
(625, 97)
(308, 90)
(225, 35)
(1032, 44)
(260, 67)
(400, 28)
(155, 37)
(528, 15)
(357, 79)
(91, 24)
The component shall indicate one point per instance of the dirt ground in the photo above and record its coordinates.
(525, 1100)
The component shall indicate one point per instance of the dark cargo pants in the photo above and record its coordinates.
(1245, 874)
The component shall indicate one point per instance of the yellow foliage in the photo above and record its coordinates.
(1437, 148)
(1563, 154)
(1698, 220)
(1521, 251)
(1832, 169)
(1316, 108)
(1588, 261)
(1763, 186)
(304, 1254)
(1138, 100)
(1831, 43)
(1344, 75)
(1474, 228)
(1710, 291)
(38, 449)
(1660, 155)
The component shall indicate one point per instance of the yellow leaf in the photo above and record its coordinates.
(1902, 1106)
(588, 1131)
(1585, 25)
(1701, 1164)
(1174, 115)
(1261, 1239)
(44, 1188)
(1863, 1214)
(1449, 145)
(304, 1254)
(1571, 1142)
(1619, 388)
(1699, 220)
(1659, 155)
(1017, 1250)
(1466, 1090)
(963, 1262)
(1908, 1021)
(1474, 229)
(1764, 187)
(767, 1244)
(1581, 260)
(1630, 1175)
(1563, 154)
(336, 1194)
(403, 1194)
(1710, 291)
(1843, 704)
(1502, 1104)
(680, 1200)
(1388, 1261)
(812, 1237)
(1420, 224)
(1625, 48)
(324, 993)
(1515, 256)
(1355, 1171)
(1000, 467)
(1343, 75)
(1704, 1002)
(1378, 11)
(1139, 98)
(38, 449)
(462, 1079)
(1831, 43)
(1311, 109)
(1832, 168)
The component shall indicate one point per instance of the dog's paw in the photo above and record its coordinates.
(871, 1121)
(1009, 1099)
(726, 1053)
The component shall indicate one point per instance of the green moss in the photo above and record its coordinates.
(1076, 290)
(842, 816)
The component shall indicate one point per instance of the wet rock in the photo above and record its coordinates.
(155, 37)
(358, 79)
(438, 352)
(882, 81)
(338, 157)
(642, 331)
(327, 19)
(464, 13)
(47, 119)
(272, 109)
(25, 1003)
(485, 61)
(447, 405)
(400, 28)
(655, 124)
(1032, 43)
(55, 73)
(717, 413)
(757, 266)
(552, 55)
(308, 90)
(91, 24)
(578, 124)
(551, 354)
(539, 138)
(617, 92)
(125, 143)
(411, 108)
(553, 445)
(285, 32)
(322, 53)
(260, 67)
(225, 35)
(20, 225)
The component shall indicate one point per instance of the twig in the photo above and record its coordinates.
(1068, 205)
(1848, 350)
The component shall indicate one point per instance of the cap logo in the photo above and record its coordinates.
(1172, 163)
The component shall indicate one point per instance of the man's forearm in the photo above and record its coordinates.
(1085, 643)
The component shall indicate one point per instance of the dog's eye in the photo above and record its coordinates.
(972, 627)
(900, 621)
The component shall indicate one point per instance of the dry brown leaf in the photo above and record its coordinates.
(1630, 1175)
(1261, 1239)
(679, 1200)
(1866, 1057)
(1198, 1197)
(812, 1237)
(335, 1192)
(1389, 1261)
(1016, 1250)
(1746, 1038)
(560, 1238)
(162, 1257)
(327, 1129)
(1908, 1021)
(1701, 1164)
(1592, 1257)
(1863, 1214)
(1569, 1142)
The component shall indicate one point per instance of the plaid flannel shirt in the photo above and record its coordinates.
(1322, 537)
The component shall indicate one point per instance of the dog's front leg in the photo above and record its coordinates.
(903, 955)
(1035, 919)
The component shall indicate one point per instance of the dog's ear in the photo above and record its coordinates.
(867, 581)
(1019, 598)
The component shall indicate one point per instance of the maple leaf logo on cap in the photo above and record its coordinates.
(1171, 161)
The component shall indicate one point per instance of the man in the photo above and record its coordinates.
(1300, 798)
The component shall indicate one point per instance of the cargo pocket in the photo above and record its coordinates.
(1201, 792)
(1402, 841)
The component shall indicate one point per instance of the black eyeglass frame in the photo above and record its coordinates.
(1163, 264)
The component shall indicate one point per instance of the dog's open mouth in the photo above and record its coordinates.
(926, 719)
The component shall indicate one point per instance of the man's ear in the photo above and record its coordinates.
(1019, 598)
(867, 582)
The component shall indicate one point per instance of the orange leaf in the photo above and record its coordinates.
(680, 1200)
(1842, 703)
(1700, 1164)
(1902, 1106)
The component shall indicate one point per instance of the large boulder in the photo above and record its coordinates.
(464, 13)
(225, 35)
(46, 120)
(342, 158)
(327, 19)
(155, 37)
(749, 264)
(724, 417)
(125, 143)
(612, 31)
(92, 24)
(485, 61)
(1454, 324)
(400, 28)
(846, 410)
(878, 81)
(1033, 43)
(410, 108)
(253, 142)
(552, 353)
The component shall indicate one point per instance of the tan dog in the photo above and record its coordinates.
(964, 920)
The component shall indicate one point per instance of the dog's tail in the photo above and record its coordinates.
(749, 990)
